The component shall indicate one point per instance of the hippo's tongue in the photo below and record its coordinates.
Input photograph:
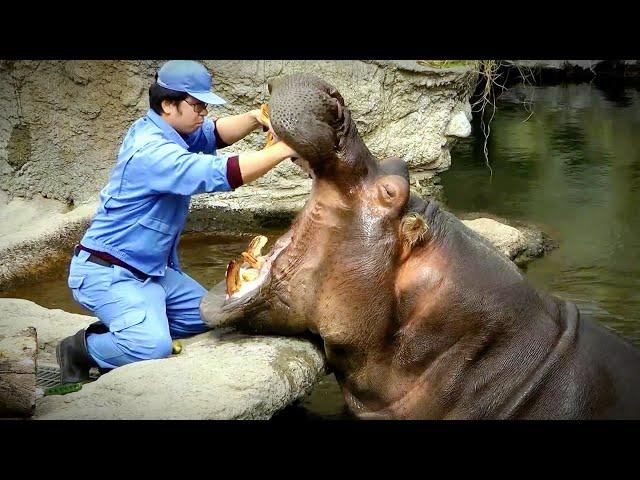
(243, 272)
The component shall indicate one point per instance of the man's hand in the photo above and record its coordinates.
(236, 127)
(255, 164)
(262, 117)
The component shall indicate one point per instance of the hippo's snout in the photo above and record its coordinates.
(307, 114)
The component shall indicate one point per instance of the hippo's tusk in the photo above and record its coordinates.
(253, 254)
(264, 114)
(339, 105)
(237, 271)
(251, 260)
(256, 245)
(232, 277)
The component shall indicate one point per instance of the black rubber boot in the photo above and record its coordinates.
(98, 327)
(74, 359)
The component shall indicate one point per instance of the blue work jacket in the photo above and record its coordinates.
(144, 206)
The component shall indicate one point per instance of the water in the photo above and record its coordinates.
(203, 256)
(570, 164)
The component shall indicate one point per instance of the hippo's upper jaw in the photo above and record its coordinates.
(310, 116)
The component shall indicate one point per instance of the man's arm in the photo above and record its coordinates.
(166, 167)
(236, 127)
(255, 164)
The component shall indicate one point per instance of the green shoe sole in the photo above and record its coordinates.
(63, 389)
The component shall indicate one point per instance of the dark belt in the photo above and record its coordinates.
(106, 260)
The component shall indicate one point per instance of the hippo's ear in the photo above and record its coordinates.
(413, 229)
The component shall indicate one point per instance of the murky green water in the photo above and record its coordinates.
(570, 164)
(204, 257)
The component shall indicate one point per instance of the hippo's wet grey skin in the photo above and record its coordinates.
(309, 113)
(419, 315)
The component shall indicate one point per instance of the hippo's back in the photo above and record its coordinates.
(614, 359)
(593, 374)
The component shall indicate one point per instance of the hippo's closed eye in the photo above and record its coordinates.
(389, 190)
(392, 190)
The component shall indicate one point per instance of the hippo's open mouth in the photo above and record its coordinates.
(309, 115)
(247, 273)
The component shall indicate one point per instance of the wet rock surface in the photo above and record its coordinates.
(218, 374)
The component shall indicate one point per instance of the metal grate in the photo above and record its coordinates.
(47, 376)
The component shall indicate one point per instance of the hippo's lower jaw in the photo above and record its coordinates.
(245, 287)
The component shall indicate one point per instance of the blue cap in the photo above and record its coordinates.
(190, 77)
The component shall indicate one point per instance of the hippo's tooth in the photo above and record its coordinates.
(256, 245)
(232, 277)
(252, 261)
(250, 274)
(248, 257)
(264, 114)
(271, 139)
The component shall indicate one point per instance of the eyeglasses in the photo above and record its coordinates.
(198, 107)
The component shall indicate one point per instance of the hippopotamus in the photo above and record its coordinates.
(419, 316)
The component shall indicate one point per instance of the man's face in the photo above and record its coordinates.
(186, 116)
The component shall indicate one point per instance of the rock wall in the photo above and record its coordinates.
(61, 122)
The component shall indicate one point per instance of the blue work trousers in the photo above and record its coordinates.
(142, 315)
